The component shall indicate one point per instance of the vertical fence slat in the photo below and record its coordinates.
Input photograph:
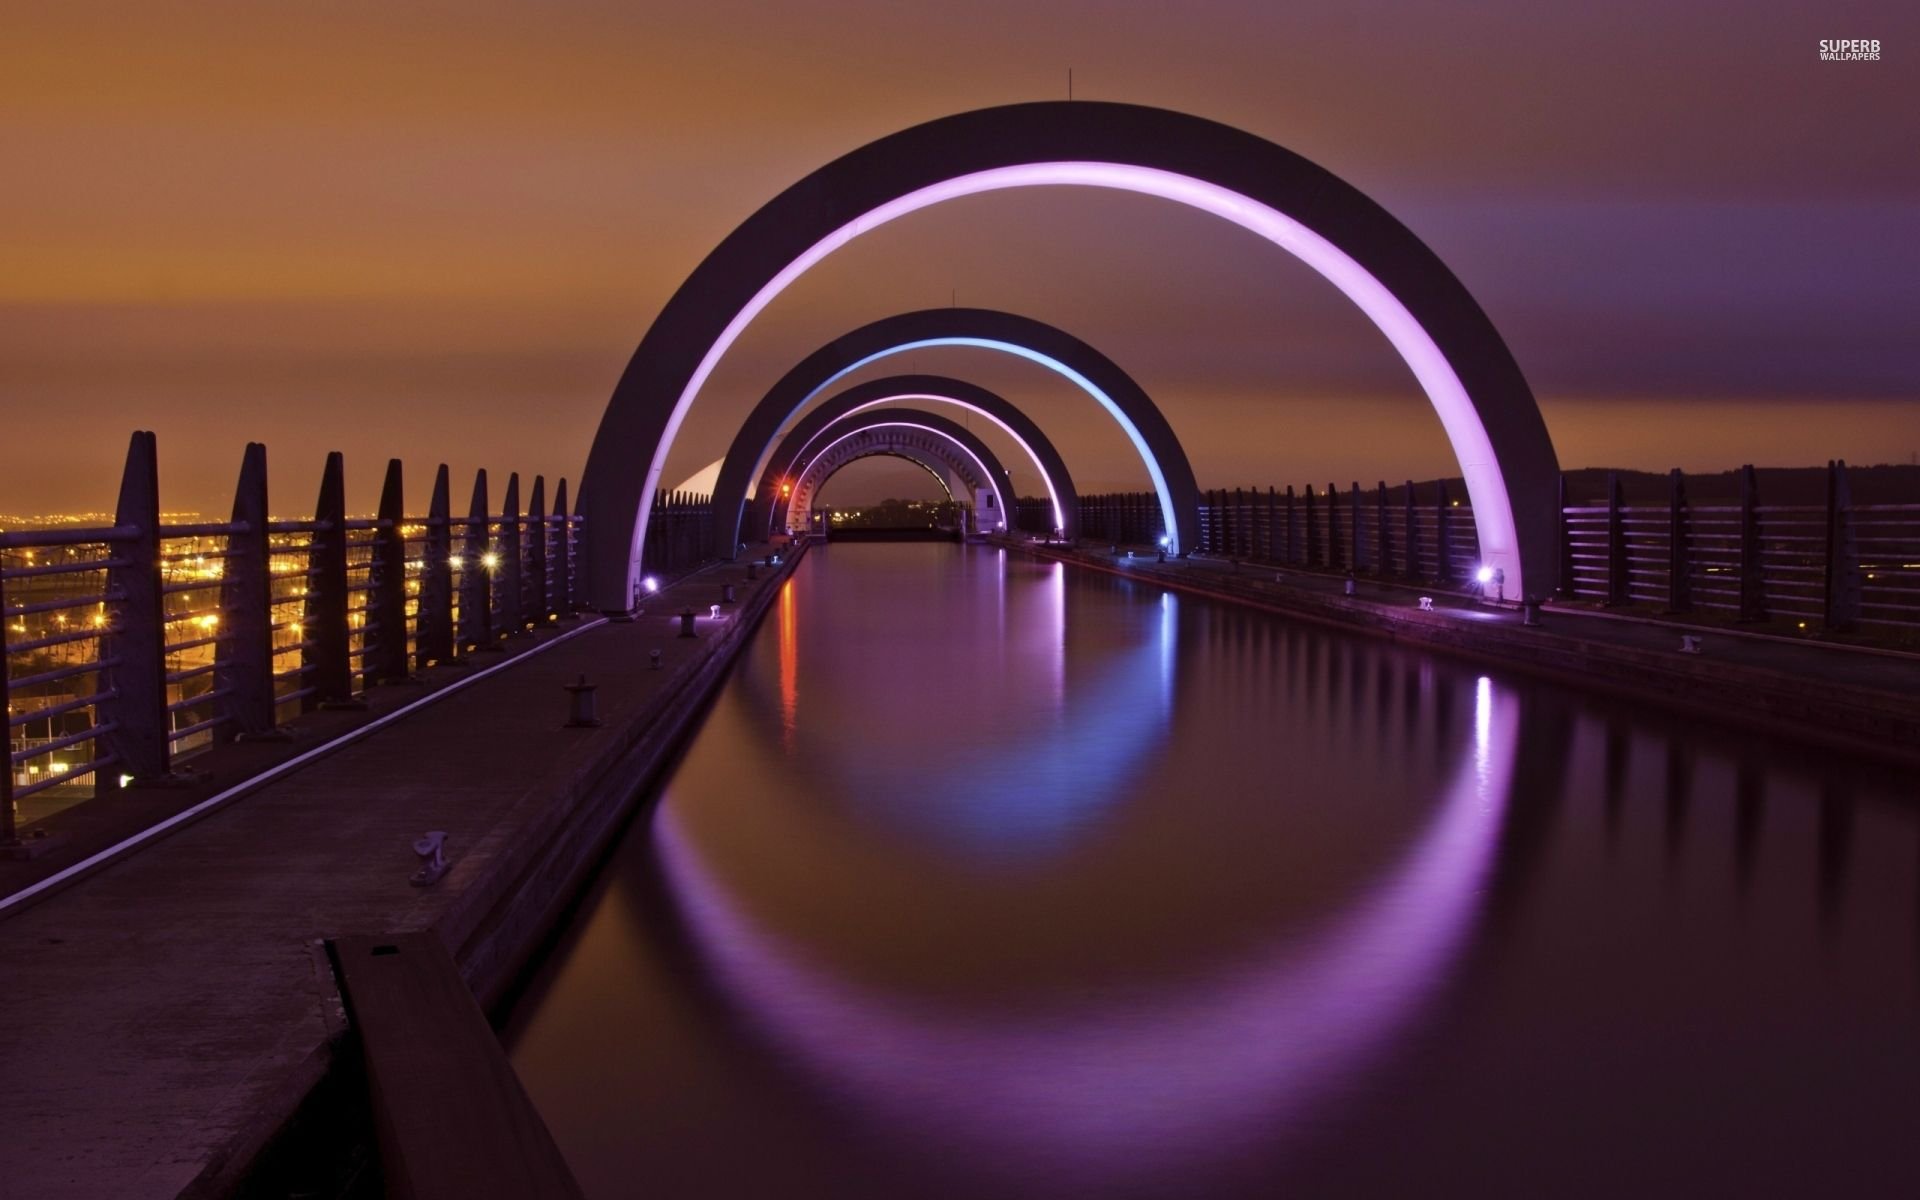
(386, 659)
(243, 661)
(138, 710)
(1616, 543)
(433, 629)
(1753, 584)
(1679, 565)
(328, 656)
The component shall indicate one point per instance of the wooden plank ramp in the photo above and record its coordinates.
(452, 1120)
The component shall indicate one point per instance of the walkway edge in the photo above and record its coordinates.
(1881, 724)
(180, 820)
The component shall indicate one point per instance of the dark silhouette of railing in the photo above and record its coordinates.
(1415, 532)
(128, 645)
(1829, 568)
(1837, 567)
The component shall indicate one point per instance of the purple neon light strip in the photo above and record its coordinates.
(1053, 494)
(984, 473)
(1492, 511)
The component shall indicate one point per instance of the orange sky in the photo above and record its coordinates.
(437, 231)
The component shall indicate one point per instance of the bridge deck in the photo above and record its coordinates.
(160, 1020)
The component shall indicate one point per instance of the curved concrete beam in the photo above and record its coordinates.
(897, 388)
(923, 437)
(1445, 338)
(1093, 372)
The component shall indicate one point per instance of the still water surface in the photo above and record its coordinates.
(987, 878)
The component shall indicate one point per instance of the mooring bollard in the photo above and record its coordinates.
(431, 848)
(753, 571)
(686, 622)
(1530, 612)
(1426, 604)
(1353, 585)
(1689, 643)
(580, 708)
(726, 593)
(653, 659)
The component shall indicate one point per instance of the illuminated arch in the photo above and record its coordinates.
(1008, 333)
(863, 397)
(945, 448)
(1445, 338)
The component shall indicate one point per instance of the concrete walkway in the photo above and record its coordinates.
(161, 1021)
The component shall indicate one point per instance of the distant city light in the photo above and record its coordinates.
(650, 585)
(489, 560)
(1484, 575)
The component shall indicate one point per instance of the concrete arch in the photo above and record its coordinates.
(1455, 353)
(946, 448)
(1008, 333)
(897, 388)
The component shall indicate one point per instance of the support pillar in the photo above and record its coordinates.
(564, 601)
(507, 554)
(1843, 553)
(328, 657)
(1679, 561)
(243, 660)
(1617, 578)
(386, 638)
(476, 580)
(1753, 584)
(137, 641)
(433, 614)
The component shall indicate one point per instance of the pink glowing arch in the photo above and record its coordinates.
(1459, 359)
(782, 460)
(959, 444)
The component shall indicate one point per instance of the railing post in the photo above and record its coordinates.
(1565, 528)
(9, 828)
(476, 580)
(539, 598)
(138, 635)
(1753, 583)
(1413, 532)
(563, 553)
(1293, 531)
(1443, 534)
(1617, 578)
(1334, 552)
(1384, 563)
(508, 556)
(433, 614)
(1843, 552)
(386, 658)
(243, 660)
(328, 656)
(1313, 530)
(1679, 562)
(1359, 538)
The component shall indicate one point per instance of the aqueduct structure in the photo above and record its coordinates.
(1446, 340)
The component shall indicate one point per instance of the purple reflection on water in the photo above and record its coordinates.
(1153, 1080)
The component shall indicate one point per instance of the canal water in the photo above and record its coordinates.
(987, 878)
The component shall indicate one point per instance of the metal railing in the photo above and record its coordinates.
(1414, 532)
(1828, 568)
(1835, 567)
(129, 646)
